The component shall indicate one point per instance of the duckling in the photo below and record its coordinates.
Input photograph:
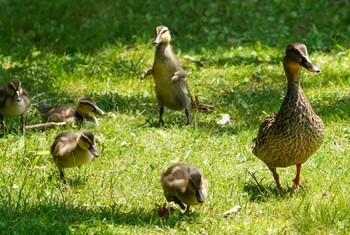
(170, 79)
(296, 132)
(71, 149)
(184, 184)
(72, 114)
(14, 102)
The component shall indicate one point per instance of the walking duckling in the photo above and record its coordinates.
(71, 149)
(14, 102)
(84, 110)
(296, 132)
(184, 184)
(170, 79)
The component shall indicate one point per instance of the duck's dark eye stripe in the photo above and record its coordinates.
(86, 139)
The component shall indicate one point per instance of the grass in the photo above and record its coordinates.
(62, 50)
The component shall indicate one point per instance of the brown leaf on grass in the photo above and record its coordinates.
(205, 108)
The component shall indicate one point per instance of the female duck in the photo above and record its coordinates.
(296, 132)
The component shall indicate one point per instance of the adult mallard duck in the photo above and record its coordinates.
(184, 184)
(296, 132)
(14, 102)
(170, 78)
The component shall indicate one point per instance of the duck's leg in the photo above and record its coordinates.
(187, 209)
(296, 180)
(277, 179)
(63, 177)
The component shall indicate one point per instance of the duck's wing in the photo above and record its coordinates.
(264, 130)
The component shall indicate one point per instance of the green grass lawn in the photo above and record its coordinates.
(62, 50)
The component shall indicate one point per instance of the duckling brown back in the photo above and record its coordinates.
(170, 79)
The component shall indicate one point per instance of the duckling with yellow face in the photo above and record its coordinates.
(184, 184)
(84, 110)
(71, 149)
(14, 102)
(169, 76)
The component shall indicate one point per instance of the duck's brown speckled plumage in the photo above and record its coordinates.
(296, 132)
(170, 79)
(184, 184)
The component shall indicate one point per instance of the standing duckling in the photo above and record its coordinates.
(73, 114)
(170, 78)
(14, 102)
(184, 184)
(71, 149)
(296, 132)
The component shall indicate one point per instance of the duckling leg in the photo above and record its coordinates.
(2, 124)
(296, 180)
(187, 112)
(23, 122)
(277, 179)
(161, 111)
(62, 176)
(187, 209)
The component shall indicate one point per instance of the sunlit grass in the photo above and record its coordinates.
(237, 68)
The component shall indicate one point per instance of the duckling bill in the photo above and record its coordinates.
(71, 149)
(296, 132)
(184, 184)
(170, 78)
(14, 102)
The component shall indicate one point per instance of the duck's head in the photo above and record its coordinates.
(199, 185)
(86, 105)
(296, 57)
(14, 88)
(86, 140)
(163, 35)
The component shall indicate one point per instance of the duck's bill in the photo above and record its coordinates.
(93, 151)
(99, 111)
(200, 196)
(310, 66)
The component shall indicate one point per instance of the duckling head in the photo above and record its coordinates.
(14, 88)
(198, 185)
(86, 105)
(87, 141)
(163, 35)
(296, 57)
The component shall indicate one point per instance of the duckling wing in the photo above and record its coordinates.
(179, 74)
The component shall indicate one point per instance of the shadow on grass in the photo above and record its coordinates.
(63, 219)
